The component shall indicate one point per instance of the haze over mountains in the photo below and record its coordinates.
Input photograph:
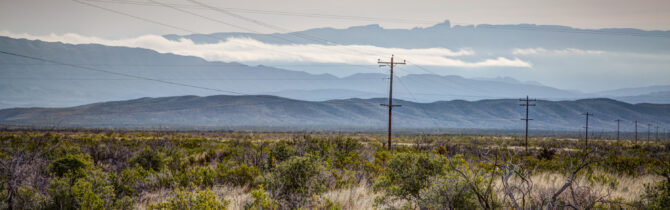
(231, 112)
(30, 83)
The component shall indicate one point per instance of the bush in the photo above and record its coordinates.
(546, 153)
(126, 182)
(279, 152)
(148, 159)
(239, 175)
(29, 198)
(201, 176)
(658, 196)
(260, 200)
(406, 175)
(61, 194)
(294, 181)
(447, 191)
(186, 200)
(94, 191)
(345, 153)
(71, 164)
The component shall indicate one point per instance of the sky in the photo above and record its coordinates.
(67, 16)
(75, 22)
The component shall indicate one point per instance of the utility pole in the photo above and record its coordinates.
(648, 131)
(635, 131)
(587, 127)
(527, 105)
(390, 104)
(618, 121)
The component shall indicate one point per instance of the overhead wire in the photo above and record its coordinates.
(179, 28)
(397, 20)
(257, 22)
(282, 13)
(147, 78)
(160, 81)
(309, 37)
(116, 73)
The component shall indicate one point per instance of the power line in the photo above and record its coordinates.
(134, 16)
(282, 13)
(301, 35)
(213, 37)
(223, 11)
(194, 79)
(274, 27)
(216, 20)
(395, 20)
(256, 22)
(117, 73)
(434, 121)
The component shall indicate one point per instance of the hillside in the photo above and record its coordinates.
(223, 111)
(29, 83)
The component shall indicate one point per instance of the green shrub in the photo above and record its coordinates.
(71, 164)
(278, 153)
(407, 174)
(260, 200)
(345, 154)
(186, 200)
(148, 159)
(61, 194)
(448, 191)
(85, 197)
(294, 181)
(126, 181)
(658, 196)
(239, 175)
(28, 197)
(201, 176)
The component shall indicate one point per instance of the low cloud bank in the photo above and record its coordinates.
(250, 50)
(567, 51)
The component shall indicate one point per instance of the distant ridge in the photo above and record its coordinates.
(223, 111)
(472, 36)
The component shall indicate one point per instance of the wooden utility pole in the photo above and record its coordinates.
(618, 122)
(648, 132)
(527, 105)
(635, 131)
(390, 104)
(587, 127)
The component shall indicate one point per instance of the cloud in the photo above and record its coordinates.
(566, 51)
(250, 50)
(528, 51)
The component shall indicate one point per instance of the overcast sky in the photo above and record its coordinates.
(66, 16)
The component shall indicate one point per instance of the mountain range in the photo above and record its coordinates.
(30, 83)
(262, 111)
(483, 36)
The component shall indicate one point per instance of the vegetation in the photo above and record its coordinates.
(235, 170)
